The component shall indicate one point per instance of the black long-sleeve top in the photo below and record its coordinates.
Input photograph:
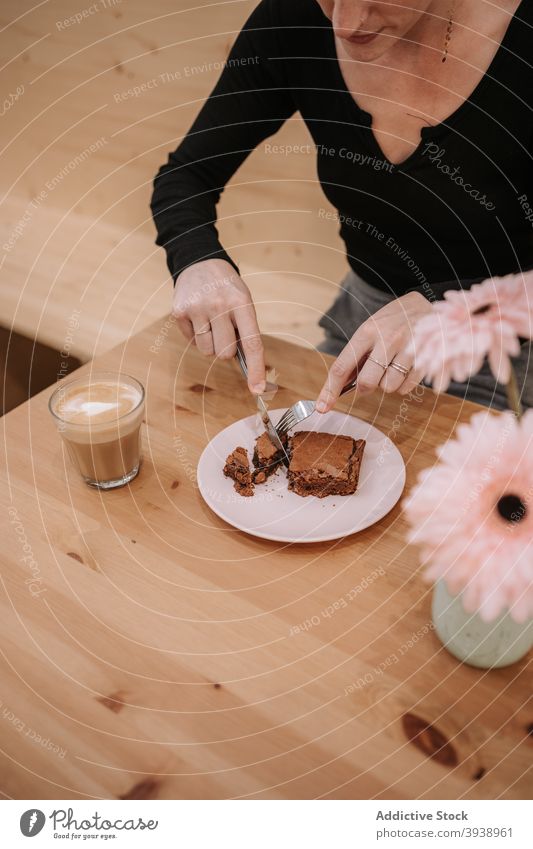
(459, 208)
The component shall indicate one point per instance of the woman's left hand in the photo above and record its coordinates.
(376, 353)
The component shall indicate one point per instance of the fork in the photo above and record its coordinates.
(302, 410)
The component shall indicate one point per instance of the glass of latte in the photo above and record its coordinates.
(99, 418)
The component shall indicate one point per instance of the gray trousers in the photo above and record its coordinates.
(358, 300)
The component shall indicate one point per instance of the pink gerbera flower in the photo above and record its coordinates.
(487, 320)
(472, 515)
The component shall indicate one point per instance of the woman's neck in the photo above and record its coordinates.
(428, 35)
(462, 20)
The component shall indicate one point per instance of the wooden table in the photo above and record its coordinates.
(148, 650)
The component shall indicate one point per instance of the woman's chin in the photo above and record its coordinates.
(366, 51)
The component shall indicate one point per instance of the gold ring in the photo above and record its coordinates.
(400, 368)
(199, 333)
(377, 363)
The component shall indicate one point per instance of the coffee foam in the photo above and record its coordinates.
(97, 402)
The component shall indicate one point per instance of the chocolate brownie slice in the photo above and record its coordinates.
(267, 458)
(323, 464)
(238, 468)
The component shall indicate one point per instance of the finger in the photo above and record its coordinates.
(369, 378)
(203, 336)
(394, 377)
(411, 381)
(341, 371)
(186, 327)
(224, 340)
(374, 369)
(182, 319)
(252, 344)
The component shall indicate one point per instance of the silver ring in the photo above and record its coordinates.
(400, 368)
(199, 333)
(377, 363)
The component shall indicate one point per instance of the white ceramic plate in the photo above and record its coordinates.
(277, 514)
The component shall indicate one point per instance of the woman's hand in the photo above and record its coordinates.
(378, 343)
(210, 303)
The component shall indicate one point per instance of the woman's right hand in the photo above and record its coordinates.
(211, 302)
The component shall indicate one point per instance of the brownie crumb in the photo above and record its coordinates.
(266, 460)
(238, 468)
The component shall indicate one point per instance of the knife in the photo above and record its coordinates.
(263, 411)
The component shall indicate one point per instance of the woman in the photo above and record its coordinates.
(421, 113)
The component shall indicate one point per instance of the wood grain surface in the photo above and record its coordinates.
(103, 103)
(148, 650)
